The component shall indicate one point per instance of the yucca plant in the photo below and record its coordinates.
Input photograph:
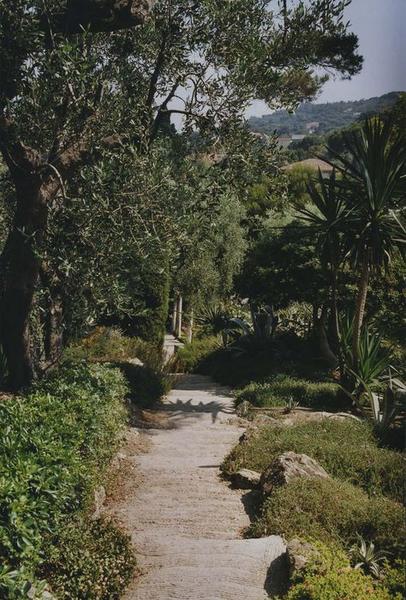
(366, 557)
(328, 216)
(373, 167)
(218, 321)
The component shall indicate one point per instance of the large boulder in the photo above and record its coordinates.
(299, 553)
(289, 466)
(245, 479)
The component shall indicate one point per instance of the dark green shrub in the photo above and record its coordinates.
(190, 356)
(277, 391)
(89, 561)
(332, 511)
(146, 385)
(328, 576)
(251, 358)
(56, 444)
(347, 450)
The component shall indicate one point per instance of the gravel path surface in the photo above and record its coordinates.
(185, 522)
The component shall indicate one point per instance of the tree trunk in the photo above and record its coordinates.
(21, 263)
(336, 324)
(321, 333)
(360, 309)
(180, 314)
(174, 316)
(54, 317)
(190, 327)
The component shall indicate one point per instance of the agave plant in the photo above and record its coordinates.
(367, 558)
(291, 405)
(386, 408)
(217, 321)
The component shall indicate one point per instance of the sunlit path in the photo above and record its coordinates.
(185, 522)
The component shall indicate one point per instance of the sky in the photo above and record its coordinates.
(381, 28)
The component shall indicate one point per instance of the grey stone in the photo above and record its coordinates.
(99, 500)
(245, 479)
(267, 420)
(289, 466)
(244, 409)
(299, 554)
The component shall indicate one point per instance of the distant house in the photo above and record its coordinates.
(313, 164)
(298, 137)
(284, 141)
(312, 127)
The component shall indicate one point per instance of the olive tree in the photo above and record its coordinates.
(80, 78)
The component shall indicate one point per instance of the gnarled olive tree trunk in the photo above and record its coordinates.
(20, 272)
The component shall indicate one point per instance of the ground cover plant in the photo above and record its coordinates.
(332, 511)
(277, 390)
(89, 560)
(328, 576)
(348, 450)
(58, 441)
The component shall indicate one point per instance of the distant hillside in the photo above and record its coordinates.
(320, 118)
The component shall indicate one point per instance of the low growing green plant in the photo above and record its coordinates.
(329, 576)
(89, 561)
(332, 511)
(278, 390)
(56, 445)
(347, 449)
(366, 557)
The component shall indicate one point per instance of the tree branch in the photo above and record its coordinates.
(99, 15)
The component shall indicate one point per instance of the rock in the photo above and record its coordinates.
(136, 362)
(298, 554)
(267, 420)
(245, 479)
(288, 466)
(99, 500)
(244, 409)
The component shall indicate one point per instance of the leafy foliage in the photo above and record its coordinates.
(277, 390)
(58, 441)
(328, 576)
(359, 461)
(331, 510)
(89, 560)
(191, 355)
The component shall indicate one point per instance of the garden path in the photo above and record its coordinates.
(185, 522)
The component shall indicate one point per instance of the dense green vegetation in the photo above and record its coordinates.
(359, 460)
(333, 115)
(278, 390)
(328, 574)
(332, 510)
(57, 444)
(115, 227)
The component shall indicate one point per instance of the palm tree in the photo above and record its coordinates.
(330, 214)
(374, 177)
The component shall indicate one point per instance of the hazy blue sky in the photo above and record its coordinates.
(381, 27)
